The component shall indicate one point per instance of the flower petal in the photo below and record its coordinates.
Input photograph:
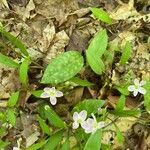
(53, 89)
(131, 88)
(53, 100)
(136, 82)
(59, 94)
(142, 90)
(87, 127)
(135, 92)
(45, 95)
(101, 124)
(75, 116)
(142, 83)
(47, 89)
(75, 125)
(83, 114)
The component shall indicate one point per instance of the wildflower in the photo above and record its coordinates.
(79, 118)
(137, 87)
(91, 125)
(16, 148)
(51, 93)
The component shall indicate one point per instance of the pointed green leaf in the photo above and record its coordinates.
(63, 67)
(120, 103)
(101, 15)
(119, 135)
(45, 128)
(126, 53)
(14, 40)
(54, 141)
(94, 141)
(37, 146)
(54, 118)
(23, 72)
(8, 61)
(66, 145)
(13, 99)
(11, 117)
(147, 96)
(95, 51)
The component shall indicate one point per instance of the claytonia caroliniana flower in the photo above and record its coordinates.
(137, 87)
(79, 118)
(91, 125)
(51, 93)
(16, 148)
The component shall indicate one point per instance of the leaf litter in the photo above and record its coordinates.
(49, 28)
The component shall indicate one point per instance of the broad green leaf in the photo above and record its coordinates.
(81, 82)
(102, 15)
(126, 113)
(120, 103)
(119, 135)
(95, 51)
(3, 144)
(23, 72)
(54, 118)
(94, 141)
(8, 61)
(37, 93)
(13, 99)
(66, 145)
(37, 146)
(63, 67)
(11, 117)
(147, 96)
(126, 53)
(90, 105)
(14, 40)
(54, 141)
(45, 128)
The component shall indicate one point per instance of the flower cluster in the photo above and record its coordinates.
(90, 125)
(51, 93)
(137, 87)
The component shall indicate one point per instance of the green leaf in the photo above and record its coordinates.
(94, 141)
(81, 82)
(54, 118)
(63, 67)
(45, 128)
(120, 103)
(148, 41)
(54, 141)
(37, 93)
(37, 146)
(11, 117)
(126, 53)
(119, 135)
(14, 41)
(23, 72)
(123, 89)
(126, 113)
(147, 96)
(95, 51)
(8, 61)
(3, 144)
(90, 105)
(66, 145)
(13, 99)
(102, 15)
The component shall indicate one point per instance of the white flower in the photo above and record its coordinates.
(79, 118)
(16, 148)
(137, 87)
(51, 93)
(91, 125)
